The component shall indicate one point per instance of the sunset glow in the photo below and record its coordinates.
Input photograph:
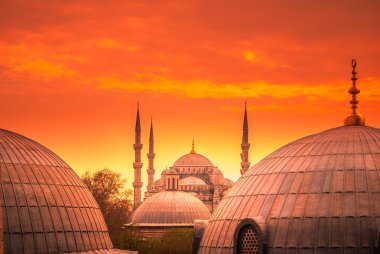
(72, 72)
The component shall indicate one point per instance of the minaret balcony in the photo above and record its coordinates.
(137, 184)
(245, 146)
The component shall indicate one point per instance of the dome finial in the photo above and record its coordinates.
(192, 148)
(354, 118)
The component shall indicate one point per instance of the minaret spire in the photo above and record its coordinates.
(244, 144)
(354, 118)
(137, 164)
(151, 156)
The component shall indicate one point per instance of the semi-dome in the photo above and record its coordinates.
(319, 194)
(46, 206)
(192, 180)
(193, 159)
(170, 208)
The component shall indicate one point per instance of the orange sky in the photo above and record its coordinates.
(71, 73)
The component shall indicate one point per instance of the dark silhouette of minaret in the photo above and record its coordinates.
(151, 156)
(137, 164)
(245, 145)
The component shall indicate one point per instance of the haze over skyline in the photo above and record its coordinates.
(72, 72)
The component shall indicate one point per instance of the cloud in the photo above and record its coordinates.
(43, 69)
(207, 89)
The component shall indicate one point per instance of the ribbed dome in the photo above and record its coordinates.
(192, 159)
(170, 208)
(320, 194)
(46, 206)
(192, 180)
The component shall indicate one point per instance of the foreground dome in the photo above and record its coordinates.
(170, 208)
(318, 194)
(192, 159)
(46, 206)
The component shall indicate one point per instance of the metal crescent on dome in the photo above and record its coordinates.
(192, 148)
(353, 63)
(354, 118)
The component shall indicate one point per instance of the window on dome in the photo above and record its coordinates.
(249, 236)
(248, 241)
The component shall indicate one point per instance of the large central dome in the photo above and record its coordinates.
(192, 159)
(46, 206)
(319, 194)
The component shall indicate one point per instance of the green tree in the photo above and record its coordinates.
(177, 241)
(115, 201)
(174, 241)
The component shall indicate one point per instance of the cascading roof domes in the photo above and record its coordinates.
(46, 206)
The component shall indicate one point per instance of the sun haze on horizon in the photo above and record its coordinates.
(72, 72)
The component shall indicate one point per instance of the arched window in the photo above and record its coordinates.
(168, 184)
(249, 236)
(173, 183)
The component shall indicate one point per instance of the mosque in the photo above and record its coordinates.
(192, 172)
(189, 190)
(318, 194)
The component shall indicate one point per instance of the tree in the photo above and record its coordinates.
(115, 201)
(177, 241)
(174, 241)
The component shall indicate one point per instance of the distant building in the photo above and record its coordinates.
(318, 194)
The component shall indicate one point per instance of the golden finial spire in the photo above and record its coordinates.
(192, 148)
(354, 118)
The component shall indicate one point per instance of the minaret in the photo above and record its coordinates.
(137, 164)
(245, 145)
(151, 156)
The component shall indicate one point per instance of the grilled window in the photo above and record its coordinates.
(248, 241)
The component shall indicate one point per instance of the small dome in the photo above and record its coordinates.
(192, 159)
(170, 208)
(192, 180)
(217, 171)
(320, 193)
(228, 182)
(46, 206)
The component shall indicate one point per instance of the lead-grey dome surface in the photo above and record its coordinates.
(170, 208)
(318, 194)
(46, 206)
